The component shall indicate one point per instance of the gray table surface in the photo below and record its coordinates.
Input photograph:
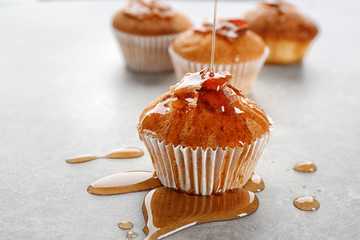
(64, 91)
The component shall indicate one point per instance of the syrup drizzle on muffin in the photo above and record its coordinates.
(148, 8)
(230, 29)
(204, 110)
(205, 86)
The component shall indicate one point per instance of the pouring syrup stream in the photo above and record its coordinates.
(213, 39)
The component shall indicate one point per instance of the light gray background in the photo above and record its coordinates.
(64, 91)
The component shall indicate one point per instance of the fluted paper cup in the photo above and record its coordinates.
(146, 53)
(286, 52)
(204, 171)
(244, 73)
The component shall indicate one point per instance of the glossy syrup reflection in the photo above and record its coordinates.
(255, 184)
(305, 166)
(131, 152)
(125, 182)
(167, 211)
(131, 234)
(306, 203)
(125, 225)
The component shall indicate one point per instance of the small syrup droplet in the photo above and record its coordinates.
(306, 203)
(81, 159)
(131, 234)
(125, 153)
(125, 225)
(255, 184)
(305, 166)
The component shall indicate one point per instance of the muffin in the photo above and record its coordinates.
(204, 136)
(237, 50)
(286, 31)
(144, 30)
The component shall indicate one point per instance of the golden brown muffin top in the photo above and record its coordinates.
(204, 110)
(150, 18)
(280, 20)
(233, 44)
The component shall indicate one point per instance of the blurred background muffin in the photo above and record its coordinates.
(144, 30)
(237, 50)
(204, 136)
(287, 32)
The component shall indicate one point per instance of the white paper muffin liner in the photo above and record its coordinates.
(286, 51)
(146, 53)
(244, 74)
(204, 171)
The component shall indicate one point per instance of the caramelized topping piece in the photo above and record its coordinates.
(204, 79)
(216, 100)
(141, 9)
(207, 85)
(231, 29)
(214, 81)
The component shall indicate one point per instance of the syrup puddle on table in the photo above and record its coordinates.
(125, 182)
(305, 166)
(306, 203)
(115, 154)
(167, 211)
(255, 184)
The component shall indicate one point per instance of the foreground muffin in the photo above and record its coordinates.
(237, 50)
(145, 29)
(286, 31)
(204, 136)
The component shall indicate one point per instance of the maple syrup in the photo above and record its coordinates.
(125, 225)
(167, 211)
(125, 182)
(131, 234)
(306, 203)
(305, 166)
(213, 38)
(255, 184)
(115, 154)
